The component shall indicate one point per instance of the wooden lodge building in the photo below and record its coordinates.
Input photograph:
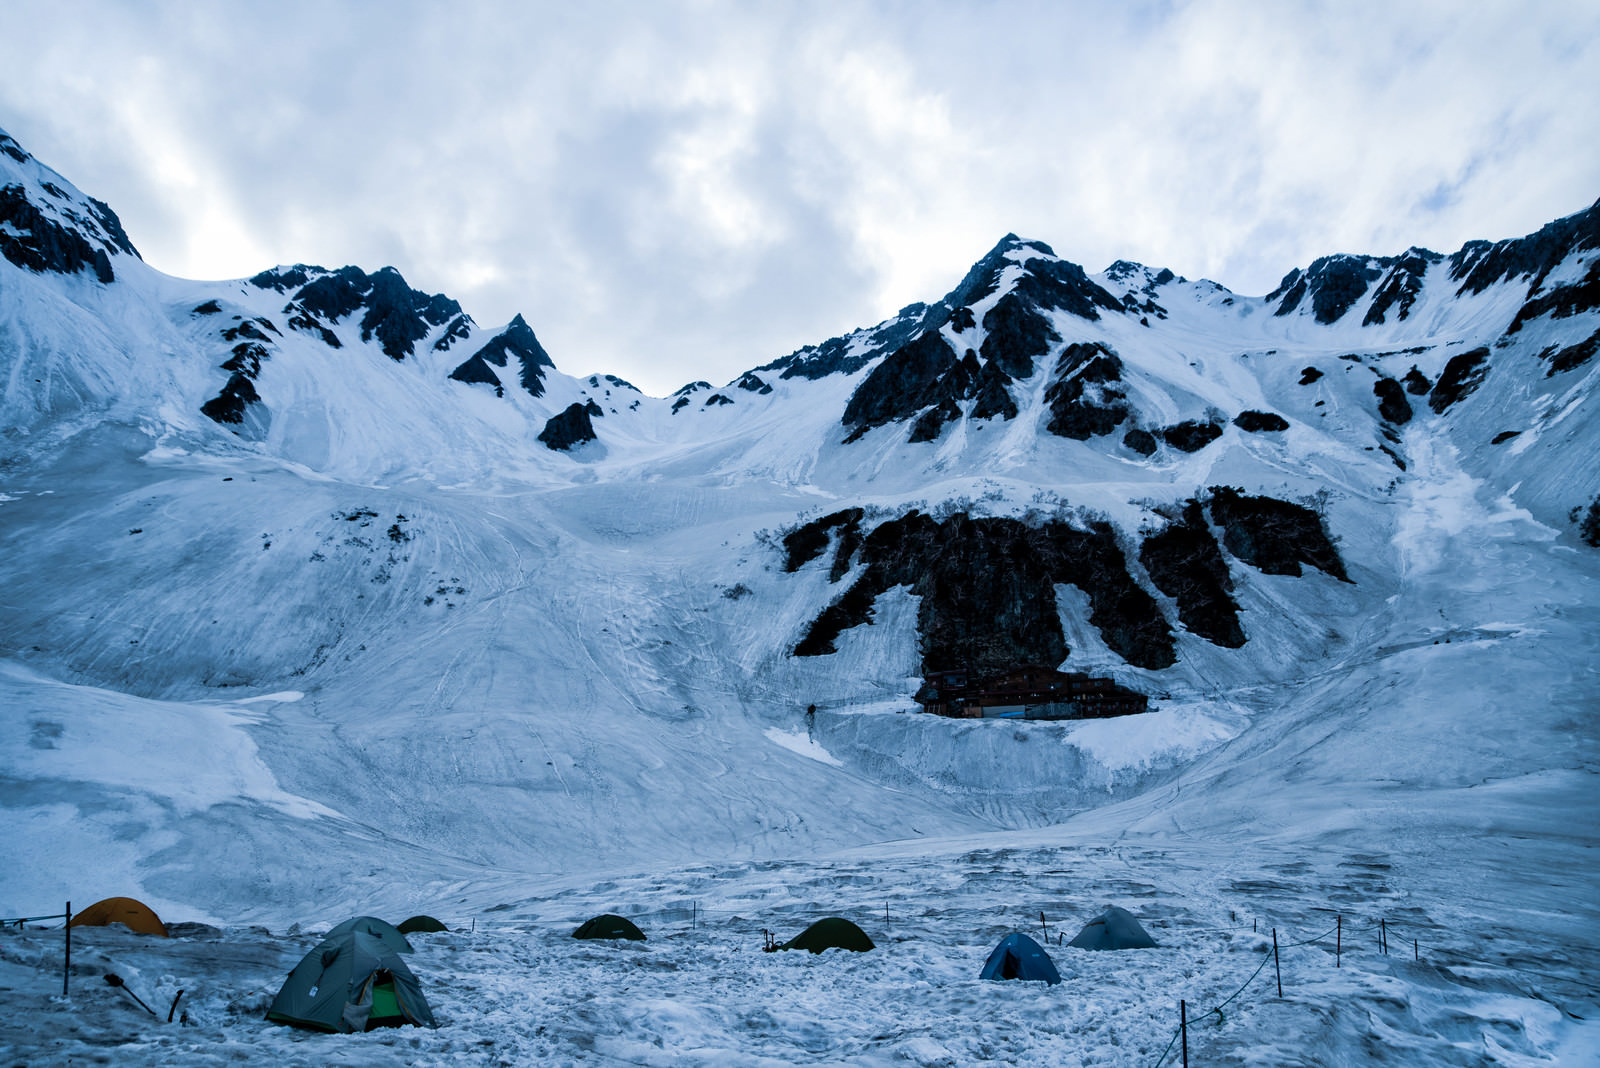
(1028, 691)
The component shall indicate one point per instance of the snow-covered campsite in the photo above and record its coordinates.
(319, 599)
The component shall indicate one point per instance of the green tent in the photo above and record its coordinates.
(384, 932)
(835, 932)
(609, 925)
(351, 982)
(423, 924)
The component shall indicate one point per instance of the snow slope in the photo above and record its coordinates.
(378, 620)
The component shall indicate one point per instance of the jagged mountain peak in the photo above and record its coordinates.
(48, 225)
(396, 314)
(518, 340)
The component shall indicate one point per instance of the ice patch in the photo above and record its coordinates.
(281, 695)
(796, 742)
(1151, 738)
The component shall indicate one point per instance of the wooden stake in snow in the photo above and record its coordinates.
(1275, 965)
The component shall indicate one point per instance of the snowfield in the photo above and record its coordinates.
(376, 650)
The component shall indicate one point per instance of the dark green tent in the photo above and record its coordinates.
(1115, 928)
(423, 924)
(351, 982)
(383, 931)
(835, 932)
(609, 925)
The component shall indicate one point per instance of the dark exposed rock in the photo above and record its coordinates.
(1334, 284)
(475, 370)
(34, 241)
(1504, 436)
(1393, 456)
(396, 314)
(229, 405)
(1017, 335)
(1086, 399)
(518, 340)
(1185, 564)
(568, 428)
(1140, 441)
(593, 409)
(247, 358)
(961, 320)
(1574, 356)
(249, 328)
(906, 382)
(805, 543)
(681, 402)
(1191, 435)
(684, 391)
(401, 316)
(1392, 403)
(717, 400)
(283, 279)
(1562, 302)
(930, 424)
(1255, 422)
(834, 356)
(1589, 524)
(1309, 375)
(210, 307)
(754, 384)
(1417, 383)
(1479, 264)
(300, 319)
(1461, 377)
(9, 146)
(987, 591)
(460, 329)
(1273, 536)
(993, 398)
(1400, 287)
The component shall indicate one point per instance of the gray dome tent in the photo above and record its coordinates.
(1115, 928)
(835, 932)
(383, 931)
(609, 925)
(1020, 957)
(351, 982)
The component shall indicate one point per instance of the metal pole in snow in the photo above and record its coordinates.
(1338, 944)
(1043, 927)
(66, 967)
(1183, 1025)
(1383, 932)
(1275, 965)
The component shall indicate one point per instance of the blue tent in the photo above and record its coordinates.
(1020, 957)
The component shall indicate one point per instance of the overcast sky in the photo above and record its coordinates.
(673, 191)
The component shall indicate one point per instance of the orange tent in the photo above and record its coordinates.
(135, 915)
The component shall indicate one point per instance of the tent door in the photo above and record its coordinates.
(385, 1006)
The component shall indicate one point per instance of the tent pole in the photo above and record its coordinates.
(1183, 1025)
(66, 967)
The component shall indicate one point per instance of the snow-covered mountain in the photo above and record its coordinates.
(311, 563)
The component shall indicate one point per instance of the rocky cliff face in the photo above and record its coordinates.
(987, 586)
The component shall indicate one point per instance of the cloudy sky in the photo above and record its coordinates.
(672, 191)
